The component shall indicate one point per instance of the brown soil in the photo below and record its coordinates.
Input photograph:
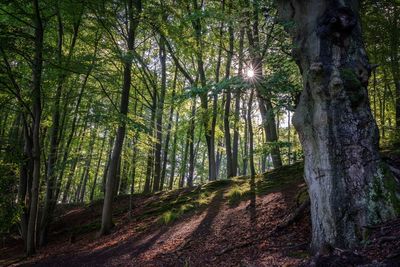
(219, 234)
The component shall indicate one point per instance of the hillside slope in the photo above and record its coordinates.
(223, 223)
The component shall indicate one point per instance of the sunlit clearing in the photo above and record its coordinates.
(250, 73)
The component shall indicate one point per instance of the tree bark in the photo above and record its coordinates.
(230, 167)
(264, 102)
(96, 173)
(51, 177)
(191, 144)
(133, 11)
(173, 154)
(208, 129)
(348, 185)
(168, 137)
(159, 117)
(251, 134)
(37, 113)
(235, 145)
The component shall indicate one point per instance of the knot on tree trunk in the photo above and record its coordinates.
(337, 24)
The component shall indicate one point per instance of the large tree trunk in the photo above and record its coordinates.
(134, 8)
(349, 186)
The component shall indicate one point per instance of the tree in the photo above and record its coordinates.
(348, 183)
(134, 8)
(37, 113)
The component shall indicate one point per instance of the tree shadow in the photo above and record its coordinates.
(204, 228)
(252, 205)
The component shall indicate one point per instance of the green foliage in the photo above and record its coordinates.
(9, 211)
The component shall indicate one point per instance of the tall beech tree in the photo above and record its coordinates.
(134, 8)
(347, 180)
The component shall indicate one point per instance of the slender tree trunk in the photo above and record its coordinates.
(347, 180)
(230, 167)
(264, 101)
(74, 163)
(173, 154)
(37, 113)
(394, 58)
(235, 146)
(245, 140)
(25, 181)
(191, 145)
(150, 156)
(251, 135)
(133, 11)
(87, 167)
(159, 117)
(168, 137)
(208, 129)
(96, 173)
(184, 161)
(103, 182)
(51, 182)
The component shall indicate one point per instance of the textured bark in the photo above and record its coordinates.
(348, 185)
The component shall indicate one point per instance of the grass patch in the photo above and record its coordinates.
(173, 205)
(168, 217)
(238, 193)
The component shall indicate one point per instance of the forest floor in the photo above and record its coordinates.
(223, 223)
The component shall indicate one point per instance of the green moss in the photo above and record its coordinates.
(350, 78)
(384, 198)
(238, 193)
(391, 188)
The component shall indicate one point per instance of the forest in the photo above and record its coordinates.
(273, 126)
